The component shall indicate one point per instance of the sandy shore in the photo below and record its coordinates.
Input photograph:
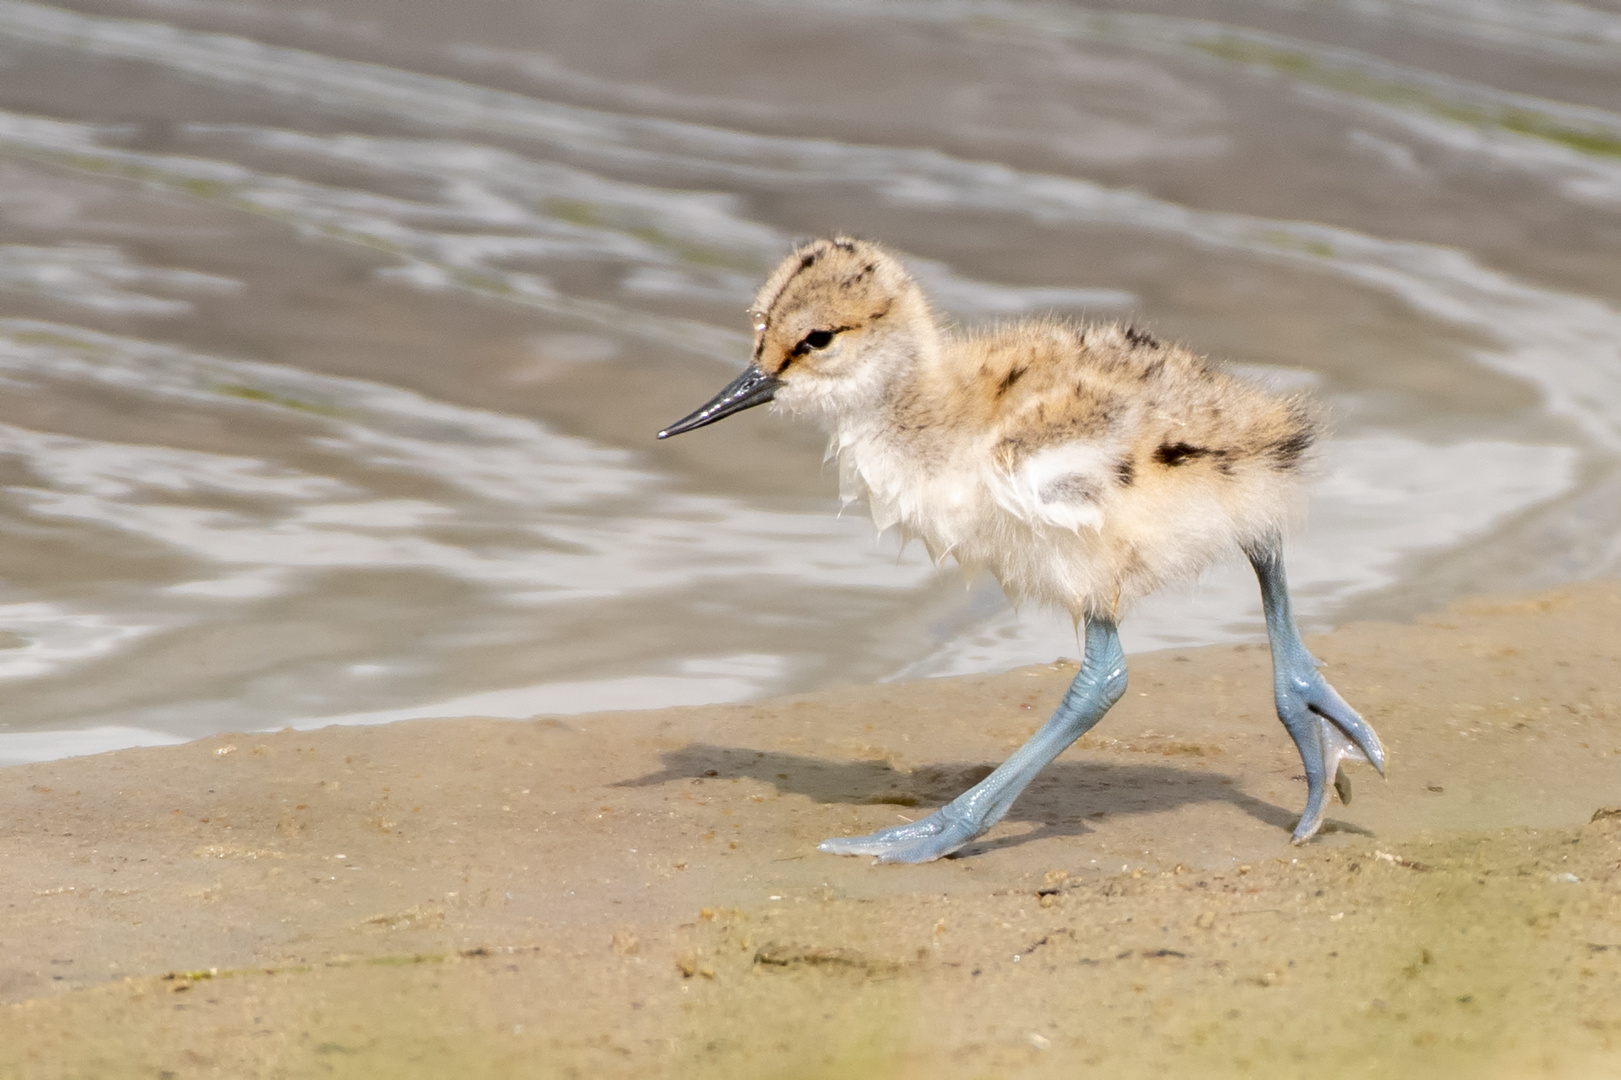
(639, 894)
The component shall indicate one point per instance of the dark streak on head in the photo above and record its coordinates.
(1153, 369)
(1141, 337)
(1125, 471)
(806, 261)
(860, 275)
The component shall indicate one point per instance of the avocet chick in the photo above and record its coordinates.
(1083, 466)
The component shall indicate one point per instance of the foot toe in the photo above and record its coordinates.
(928, 848)
(921, 851)
(1310, 821)
(1355, 737)
(853, 845)
(918, 841)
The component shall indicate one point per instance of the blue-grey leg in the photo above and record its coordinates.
(1101, 681)
(1326, 730)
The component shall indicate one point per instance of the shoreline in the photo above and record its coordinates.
(639, 893)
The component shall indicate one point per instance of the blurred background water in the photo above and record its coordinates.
(334, 333)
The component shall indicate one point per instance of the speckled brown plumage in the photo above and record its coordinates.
(1083, 465)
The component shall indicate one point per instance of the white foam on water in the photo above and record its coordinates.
(41, 637)
(572, 530)
(1547, 26)
(102, 278)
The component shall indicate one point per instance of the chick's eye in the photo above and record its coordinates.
(816, 339)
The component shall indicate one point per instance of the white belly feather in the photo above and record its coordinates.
(1037, 529)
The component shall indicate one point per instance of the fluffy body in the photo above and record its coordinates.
(1084, 466)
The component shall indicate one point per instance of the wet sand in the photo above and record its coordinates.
(636, 894)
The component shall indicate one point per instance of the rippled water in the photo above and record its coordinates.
(333, 335)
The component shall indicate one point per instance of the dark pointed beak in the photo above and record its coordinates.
(753, 387)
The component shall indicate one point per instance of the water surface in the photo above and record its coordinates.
(334, 334)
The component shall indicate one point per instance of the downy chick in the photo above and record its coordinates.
(1083, 466)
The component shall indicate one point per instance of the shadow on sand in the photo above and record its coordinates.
(1060, 801)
